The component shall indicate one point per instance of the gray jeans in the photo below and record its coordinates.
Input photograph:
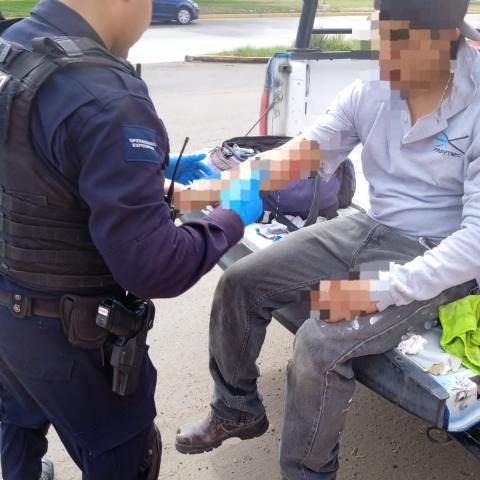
(320, 377)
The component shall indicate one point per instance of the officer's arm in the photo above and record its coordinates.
(121, 150)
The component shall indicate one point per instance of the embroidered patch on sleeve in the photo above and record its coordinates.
(140, 145)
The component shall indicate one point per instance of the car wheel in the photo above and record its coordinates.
(184, 16)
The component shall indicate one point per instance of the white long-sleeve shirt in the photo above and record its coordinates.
(424, 179)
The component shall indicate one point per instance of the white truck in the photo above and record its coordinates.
(299, 85)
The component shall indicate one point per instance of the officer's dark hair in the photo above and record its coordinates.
(1, 16)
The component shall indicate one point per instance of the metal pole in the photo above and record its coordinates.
(307, 21)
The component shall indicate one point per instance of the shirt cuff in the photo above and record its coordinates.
(230, 222)
(380, 291)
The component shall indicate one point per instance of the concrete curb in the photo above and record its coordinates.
(224, 59)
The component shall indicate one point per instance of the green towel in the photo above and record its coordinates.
(461, 330)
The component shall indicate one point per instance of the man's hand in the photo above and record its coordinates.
(339, 300)
(298, 159)
(191, 168)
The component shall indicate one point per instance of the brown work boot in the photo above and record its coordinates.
(209, 433)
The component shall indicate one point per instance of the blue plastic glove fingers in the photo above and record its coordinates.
(207, 171)
(214, 175)
(243, 197)
(190, 166)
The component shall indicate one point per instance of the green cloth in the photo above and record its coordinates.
(461, 330)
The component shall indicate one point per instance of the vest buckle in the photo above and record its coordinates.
(20, 305)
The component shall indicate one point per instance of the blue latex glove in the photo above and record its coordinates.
(243, 197)
(191, 168)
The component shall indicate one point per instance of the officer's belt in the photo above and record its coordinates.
(22, 306)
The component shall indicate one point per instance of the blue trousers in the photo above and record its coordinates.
(45, 381)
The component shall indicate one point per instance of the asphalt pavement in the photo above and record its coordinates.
(210, 103)
(170, 42)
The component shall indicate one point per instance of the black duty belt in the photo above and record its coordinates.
(22, 306)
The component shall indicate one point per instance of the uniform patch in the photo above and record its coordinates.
(4, 79)
(140, 145)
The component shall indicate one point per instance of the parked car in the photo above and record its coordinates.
(181, 11)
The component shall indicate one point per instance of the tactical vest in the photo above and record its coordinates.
(45, 243)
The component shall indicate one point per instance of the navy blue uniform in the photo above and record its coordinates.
(99, 128)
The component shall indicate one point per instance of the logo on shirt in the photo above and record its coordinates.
(4, 78)
(449, 147)
(140, 144)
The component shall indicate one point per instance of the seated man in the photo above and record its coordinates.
(421, 137)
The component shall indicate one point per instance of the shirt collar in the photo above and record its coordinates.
(466, 80)
(62, 18)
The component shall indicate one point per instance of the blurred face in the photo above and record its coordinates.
(120, 23)
(414, 59)
(135, 18)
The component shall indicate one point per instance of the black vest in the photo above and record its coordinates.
(45, 243)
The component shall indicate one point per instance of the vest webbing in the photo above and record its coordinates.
(45, 242)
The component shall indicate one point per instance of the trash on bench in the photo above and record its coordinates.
(276, 231)
(413, 345)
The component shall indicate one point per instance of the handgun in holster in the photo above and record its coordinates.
(128, 321)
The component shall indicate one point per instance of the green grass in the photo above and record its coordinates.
(16, 8)
(249, 51)
(13, 8)
(283, 6)
(327, 43)
(279, 6)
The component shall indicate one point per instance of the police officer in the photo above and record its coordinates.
(83, 217)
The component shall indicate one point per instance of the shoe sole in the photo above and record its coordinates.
(188, 450)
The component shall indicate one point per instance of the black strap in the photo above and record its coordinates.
(69, 257)
(312, 214)
(75, 50)
(315, 207)
(6, 101)
(15, 229)
(22, 306)
(28, 208)
(60, 283)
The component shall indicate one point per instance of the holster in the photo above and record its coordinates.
(78, 320)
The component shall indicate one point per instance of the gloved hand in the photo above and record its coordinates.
(243, 197)
(191, 168)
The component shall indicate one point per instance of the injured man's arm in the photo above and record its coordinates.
(297, 159)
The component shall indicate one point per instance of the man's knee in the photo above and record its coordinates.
(237, 282)
(318, 347)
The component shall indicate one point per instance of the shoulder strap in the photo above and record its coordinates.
(17, 65)
(47, 56)
(66, 51)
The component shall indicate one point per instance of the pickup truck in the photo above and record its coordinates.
(297, 90)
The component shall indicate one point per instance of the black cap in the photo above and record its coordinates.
(429, 14)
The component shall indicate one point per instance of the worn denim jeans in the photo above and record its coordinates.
(320, 376)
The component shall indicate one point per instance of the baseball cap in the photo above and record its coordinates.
(429, 14)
